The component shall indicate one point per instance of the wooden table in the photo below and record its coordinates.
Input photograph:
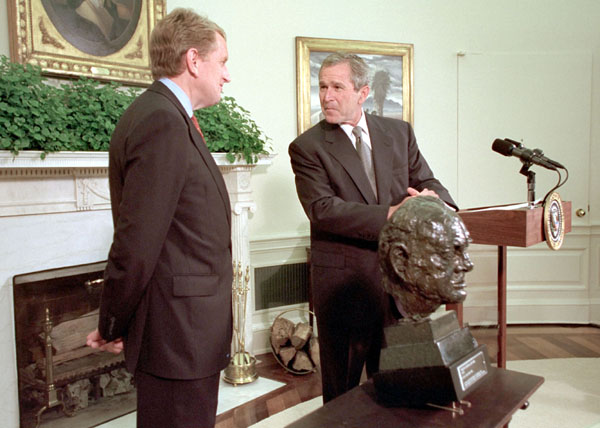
(492, 405)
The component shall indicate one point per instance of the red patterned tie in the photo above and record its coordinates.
(197, 125)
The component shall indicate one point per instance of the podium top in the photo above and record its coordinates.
(520, 227)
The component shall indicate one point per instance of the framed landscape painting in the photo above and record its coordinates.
(391, 83)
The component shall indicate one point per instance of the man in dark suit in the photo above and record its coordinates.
(167, 284)
(347, 210)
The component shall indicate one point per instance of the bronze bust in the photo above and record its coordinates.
(427, 357)
(422, 254)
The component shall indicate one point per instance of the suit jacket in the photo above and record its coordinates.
(167, 288)
(344, 214)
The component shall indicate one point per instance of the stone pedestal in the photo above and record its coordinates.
(431, 361)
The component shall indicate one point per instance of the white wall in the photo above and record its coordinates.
(261, 42)
(262, 64)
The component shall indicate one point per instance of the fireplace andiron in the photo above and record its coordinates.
(242, 367)
(51, 393)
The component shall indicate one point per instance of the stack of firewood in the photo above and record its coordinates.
(295, 346)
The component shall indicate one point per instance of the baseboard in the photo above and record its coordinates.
(530, 314)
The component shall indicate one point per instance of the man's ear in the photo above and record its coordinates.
(399, 258)
(364, 93)
(192, 61)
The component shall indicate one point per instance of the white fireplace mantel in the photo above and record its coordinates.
(56, 212)
(67, 182)
(78, 181)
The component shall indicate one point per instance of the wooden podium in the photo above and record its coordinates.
(521, 227)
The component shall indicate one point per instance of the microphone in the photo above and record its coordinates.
(508, 147)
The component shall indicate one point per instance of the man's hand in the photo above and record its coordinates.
(412, 193)
(94, 340)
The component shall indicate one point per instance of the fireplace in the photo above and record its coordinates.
(56, 212)
(59, 377)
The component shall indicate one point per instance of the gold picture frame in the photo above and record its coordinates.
(396, 59)
(106, 41)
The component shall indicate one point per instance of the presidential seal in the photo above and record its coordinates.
(554, 221)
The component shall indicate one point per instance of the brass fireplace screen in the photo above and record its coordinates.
(58, 375)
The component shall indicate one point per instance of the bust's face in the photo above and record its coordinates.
(437, 265)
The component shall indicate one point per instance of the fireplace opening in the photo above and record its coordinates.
(62, 382)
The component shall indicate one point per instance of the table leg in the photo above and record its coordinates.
(502, 259)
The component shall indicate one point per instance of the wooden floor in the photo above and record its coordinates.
(523, 343)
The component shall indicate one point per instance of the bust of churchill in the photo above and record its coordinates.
(423, 258)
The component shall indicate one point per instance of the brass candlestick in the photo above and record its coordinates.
(242, 367)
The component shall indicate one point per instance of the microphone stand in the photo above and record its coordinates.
(530, 184)
(527, 164)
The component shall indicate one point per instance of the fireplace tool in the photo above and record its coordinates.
(242, 367)
(51, 392)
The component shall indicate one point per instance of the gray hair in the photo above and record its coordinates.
(359, 70)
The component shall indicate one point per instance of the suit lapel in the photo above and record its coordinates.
(340, 147)
(382, 152)
(211, 165)
(200, 145)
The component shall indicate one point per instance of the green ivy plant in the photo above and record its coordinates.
(35, 115)
(227, 127)
(82, 114)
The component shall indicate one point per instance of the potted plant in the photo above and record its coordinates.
(37, 114)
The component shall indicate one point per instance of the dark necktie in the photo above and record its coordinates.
(364, 153)
(197, 125)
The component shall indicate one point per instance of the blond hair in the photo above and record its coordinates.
(173, 36)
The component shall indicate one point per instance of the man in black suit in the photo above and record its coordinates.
(347, 210)
(167, 284)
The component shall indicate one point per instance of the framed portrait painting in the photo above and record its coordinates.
(391, 84)
(101, 39)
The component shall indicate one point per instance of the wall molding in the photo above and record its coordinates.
(61, 182)
(559, 288)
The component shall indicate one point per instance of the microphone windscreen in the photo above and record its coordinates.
(503, 147)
